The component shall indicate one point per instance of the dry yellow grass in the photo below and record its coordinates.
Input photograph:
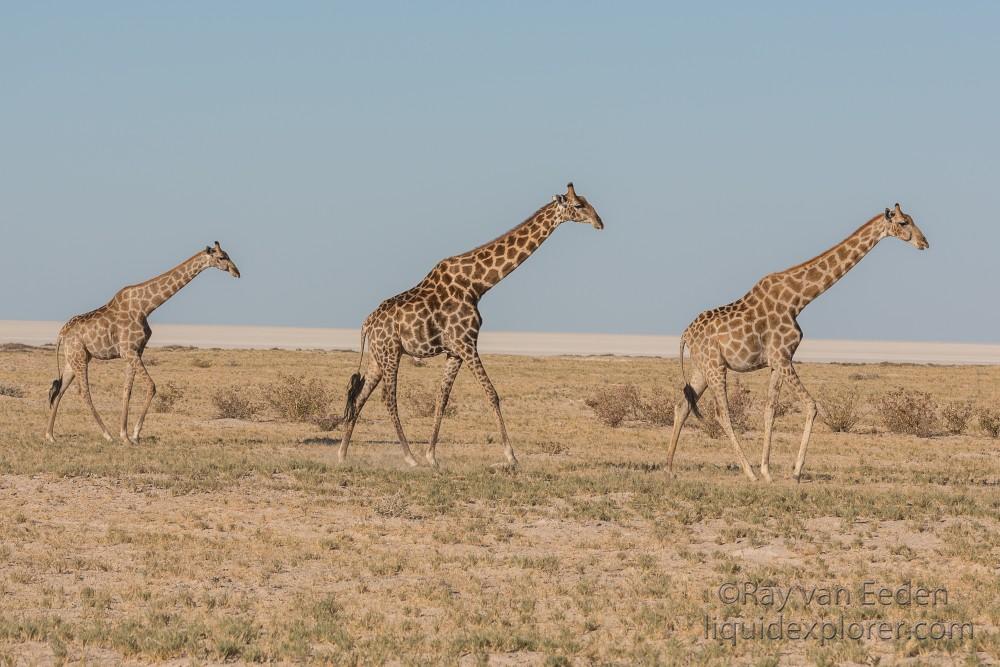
(228, 540)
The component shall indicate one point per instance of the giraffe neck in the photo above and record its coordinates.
(154, 292)
(485, 266)
(810, 279)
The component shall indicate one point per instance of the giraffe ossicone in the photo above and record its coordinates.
(120, 330)
(760, 330)
(440, 315)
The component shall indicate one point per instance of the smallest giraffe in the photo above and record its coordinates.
(119, 330)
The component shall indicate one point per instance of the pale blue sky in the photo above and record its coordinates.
(338, 151)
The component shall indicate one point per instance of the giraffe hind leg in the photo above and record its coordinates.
(681, 413)
(371, 381)
(391, 366)
(65, 381)
(81, 370)
(717, 380)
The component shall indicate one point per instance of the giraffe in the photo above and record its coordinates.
(761, 330)
(441, 315)
(119, 330)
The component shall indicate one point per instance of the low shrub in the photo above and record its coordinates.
(234, 403)
(11, 391)
(989, 421)
(167, 395)
(709, 422)
(297, 399)
(908, 411)
(658, 410)
(614, 404)
(328, 422)
(956, 416)
(741, 406)
(423, 403)
(785, 406)
(198, 362)
(840, 408)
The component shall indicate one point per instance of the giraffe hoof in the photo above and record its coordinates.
(412, 462)
(50, 438)
(109, 437)
(766, 475)
(432, 462)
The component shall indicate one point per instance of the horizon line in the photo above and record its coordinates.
(522, 343)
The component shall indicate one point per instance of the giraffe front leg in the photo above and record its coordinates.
(85, 392)
(391, 366)
(145, 378)
(451, 368)
(809, 406)
(126, 398)
(681, 413)
(717, 381)
(476, 364)
(773, 391)
(67, 379)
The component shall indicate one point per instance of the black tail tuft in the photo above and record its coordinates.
(692, 399)
(353, 391)
(54, 390)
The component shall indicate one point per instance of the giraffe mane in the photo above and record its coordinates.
(846, 238)
(505, 234)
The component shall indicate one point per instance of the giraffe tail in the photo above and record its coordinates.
(57, 383)
(355, 385)
(689, 393)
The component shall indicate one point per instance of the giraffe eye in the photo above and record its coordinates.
(904, 222)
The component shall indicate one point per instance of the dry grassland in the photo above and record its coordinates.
(226, 540)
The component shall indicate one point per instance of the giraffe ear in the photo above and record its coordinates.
(888, 214)
(208, 248)
(559, 198)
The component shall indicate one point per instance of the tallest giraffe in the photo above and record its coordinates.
(441, 315)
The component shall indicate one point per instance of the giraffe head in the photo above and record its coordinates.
(219, 258)
(571, 206)
(901, 226)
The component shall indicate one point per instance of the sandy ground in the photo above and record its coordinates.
(232, 535)
(522, 343)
